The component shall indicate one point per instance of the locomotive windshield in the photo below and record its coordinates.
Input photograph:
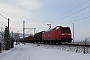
(65, 29)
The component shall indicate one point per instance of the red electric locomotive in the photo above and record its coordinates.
(57, 35)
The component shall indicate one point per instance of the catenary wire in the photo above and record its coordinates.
(78, 19)
(73, 9)
(73, 13)
(81, 15)
(3, 16)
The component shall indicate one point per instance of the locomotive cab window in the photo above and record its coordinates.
(65, 29)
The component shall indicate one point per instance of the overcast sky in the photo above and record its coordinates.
(37, 13)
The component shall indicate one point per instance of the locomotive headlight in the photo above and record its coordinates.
(69, 34)
(63, 34)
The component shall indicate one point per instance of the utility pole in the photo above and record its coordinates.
(23, 30)
(73, 32)
(8, 23)
(8, 42)
(8, 29)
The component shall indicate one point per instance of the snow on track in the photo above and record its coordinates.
(34, 52)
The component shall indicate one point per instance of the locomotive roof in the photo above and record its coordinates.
(57, 27)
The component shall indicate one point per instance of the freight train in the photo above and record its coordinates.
(28, 39)
(58, 35)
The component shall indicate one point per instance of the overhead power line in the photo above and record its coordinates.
(4, 17)
(74, 13)
(78, 19)
(77, 6)
(73, 9)
(81, 15)
(77, 12)
(84, 18)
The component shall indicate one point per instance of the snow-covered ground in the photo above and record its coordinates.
(34, 52)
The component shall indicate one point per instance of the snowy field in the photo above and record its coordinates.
(34, 52)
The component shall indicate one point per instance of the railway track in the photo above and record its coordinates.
(68, 44)
(77, 45)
